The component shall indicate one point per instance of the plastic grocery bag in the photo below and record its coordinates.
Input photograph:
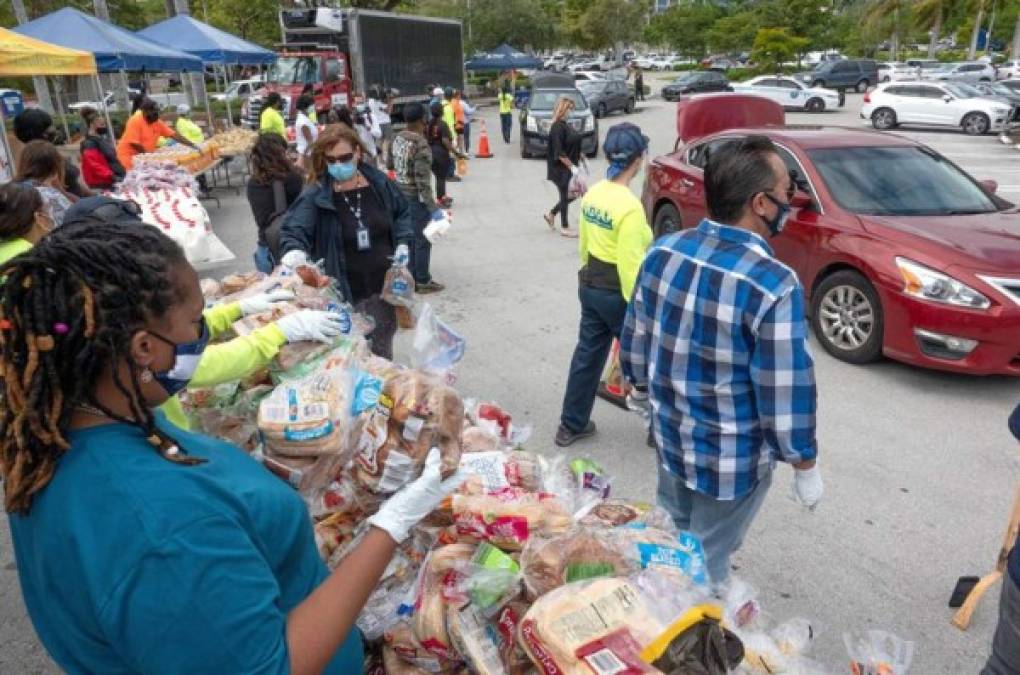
(436, 347)
(877, 652)
(578, 185)
(462, 167)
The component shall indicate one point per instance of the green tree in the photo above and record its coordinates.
(929, 16)
(890, 16)
(734, 33)
(812, 19)
(254, 20)
(684, 28)
(775, 46)
(598, 24)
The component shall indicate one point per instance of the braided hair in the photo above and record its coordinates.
(69, 308)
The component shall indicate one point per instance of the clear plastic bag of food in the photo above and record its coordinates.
(507, 518)
(615, 512)
(489, 471)
(877, 652)
(309, 417)
(580, 482)
(438, 587)
(436, 347)
(742, 606)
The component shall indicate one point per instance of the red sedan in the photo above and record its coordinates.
(900, 251)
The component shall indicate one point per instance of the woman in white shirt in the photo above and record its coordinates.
(305, 129)
(379, 107)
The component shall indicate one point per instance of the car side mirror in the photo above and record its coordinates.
(989, 185)
(947, 98)
(801, 200)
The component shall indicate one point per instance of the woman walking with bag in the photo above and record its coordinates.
(564, 154)
(275, 184)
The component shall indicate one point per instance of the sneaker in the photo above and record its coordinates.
(568, 233)
(446, 201)
(650, 441)
(565, 436)
(428, 287)
(453, 179)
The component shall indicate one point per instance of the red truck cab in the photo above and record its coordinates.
(325, 69)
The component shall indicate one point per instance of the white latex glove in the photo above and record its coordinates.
(294, 259)
(264, 302)
(807, 486)
(418, 499)
(574, 170)
(311, 324)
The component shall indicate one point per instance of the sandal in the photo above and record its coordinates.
(550, 220)
(568, 233)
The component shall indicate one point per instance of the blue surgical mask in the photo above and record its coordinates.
(778, 222)
(186, 358)
(342, 171)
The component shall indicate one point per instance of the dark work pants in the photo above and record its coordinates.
(422, 253)
(506, 120)
(602, 314)
(439, 171)
(1005, 658)
(639, 90)
(563, 186)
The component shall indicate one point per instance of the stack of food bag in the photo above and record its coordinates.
(168, 198)
(234, 141)
(531, 566)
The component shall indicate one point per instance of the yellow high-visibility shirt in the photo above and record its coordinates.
(614, 229)
(271, 122)
(506, 103)
(189, 130)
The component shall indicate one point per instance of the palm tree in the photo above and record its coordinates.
(972, 52)
(878, 11)
(930, 15)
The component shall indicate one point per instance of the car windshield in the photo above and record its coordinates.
(295, 70)
(1000, 89)
(592, 86)
(545, 99)
(684, 79)
(960, 90)
(898, 181)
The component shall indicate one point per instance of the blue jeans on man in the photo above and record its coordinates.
(719, 524)
(506, 120)
(263, 259)
(602, 314)
(1005, 656)
(421, 256)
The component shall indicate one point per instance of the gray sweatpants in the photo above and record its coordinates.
(721, 525)
(1005, 658)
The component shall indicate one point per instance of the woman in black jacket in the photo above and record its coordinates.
(353, 218)
(271, 173)
(564, 154)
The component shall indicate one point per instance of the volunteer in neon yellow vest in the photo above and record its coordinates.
(506, 110)
(614, 236)
(271, 120)
(24, 220)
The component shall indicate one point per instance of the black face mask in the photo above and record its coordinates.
(776, 224)
(150, 118)
(101, 130)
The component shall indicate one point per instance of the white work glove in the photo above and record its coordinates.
(311, 324)
(807, 486)
(294, 259)
(574, 170)
(405, 509)
(263, 302)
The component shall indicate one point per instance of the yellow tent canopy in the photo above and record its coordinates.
(20, 55)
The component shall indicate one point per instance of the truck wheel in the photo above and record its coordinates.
(862, 86)
(883, 118)
(666, 221)
(976, 124)
(815, 105)
(595, 151)
(818, 83)
(630, 106)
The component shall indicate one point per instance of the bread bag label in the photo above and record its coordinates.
(539, 654)
(491, 467)
(616, 653)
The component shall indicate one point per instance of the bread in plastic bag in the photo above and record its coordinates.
(308, 417)
(412, 657)
(617, 512)
(488, 644)
(508, 517)
(877, 652)
(493, 470)
(437, 587)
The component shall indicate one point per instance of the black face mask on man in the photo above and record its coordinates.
(776, 224)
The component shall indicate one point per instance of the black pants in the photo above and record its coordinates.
(506, 120)
(639, 90)
(439, 169)
(563, 185)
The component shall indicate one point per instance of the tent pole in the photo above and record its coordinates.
(226, 99)
(7, 161)
(60, 109)
(208, 105)
(106, 111)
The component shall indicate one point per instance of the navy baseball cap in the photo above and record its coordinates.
(624, 142)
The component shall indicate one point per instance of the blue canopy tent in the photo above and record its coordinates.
(503, 57)
(116, 49)
(210, 44)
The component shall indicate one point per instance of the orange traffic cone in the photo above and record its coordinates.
(391, 174)
(483, 144)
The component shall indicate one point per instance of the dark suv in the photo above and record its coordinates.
(696, 82)
(536, 119)
(858, 74)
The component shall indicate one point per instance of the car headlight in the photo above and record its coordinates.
(927, 284)
(1000, 111)
(589, 122)
(531, 124)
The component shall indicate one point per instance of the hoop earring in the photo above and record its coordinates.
(146, 376)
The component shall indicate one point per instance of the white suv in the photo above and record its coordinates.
(926, 103)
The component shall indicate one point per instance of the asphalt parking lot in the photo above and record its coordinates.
(919, 465)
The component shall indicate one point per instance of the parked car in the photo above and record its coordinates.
(722, 65)
(536, 116)
(858, 74)
(893, 71)
(588, 75)
(645, 62)
(998, 92)
(239, 89)
(790, 93)
(900, 251)
(1008, 70)
(696, 82)
(924, 103)
(666, 62)
(607, 96)
(109, 102)
(1013, 84)
(971, 72)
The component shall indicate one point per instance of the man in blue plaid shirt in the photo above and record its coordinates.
(715, 333)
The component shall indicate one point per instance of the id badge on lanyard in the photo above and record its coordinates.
(364, 243)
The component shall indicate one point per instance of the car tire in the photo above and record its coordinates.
(975, 124)
(594, 153)
(985, 79)
(524, 149)
(846, 315)
(666, 220)
(815, 105)
(600, 111)
(886, 79)
(631, 104)
(862, 86)
(818, 83)
(883, 119)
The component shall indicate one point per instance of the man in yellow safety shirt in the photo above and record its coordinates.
(506, 110)
(271, 119)
(614, 236)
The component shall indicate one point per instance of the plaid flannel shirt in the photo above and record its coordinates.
(716, 331)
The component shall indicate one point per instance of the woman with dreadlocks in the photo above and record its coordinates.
(141, 547)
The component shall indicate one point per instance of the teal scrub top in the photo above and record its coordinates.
(131, 564)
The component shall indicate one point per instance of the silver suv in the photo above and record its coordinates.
(970, 72)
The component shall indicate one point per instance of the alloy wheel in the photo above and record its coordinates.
(847, 318)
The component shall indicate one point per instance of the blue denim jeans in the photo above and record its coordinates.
(506, 121)
(263, 259)
(602, 314)
(721, 525)
(1005, 657)
(421, 256)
